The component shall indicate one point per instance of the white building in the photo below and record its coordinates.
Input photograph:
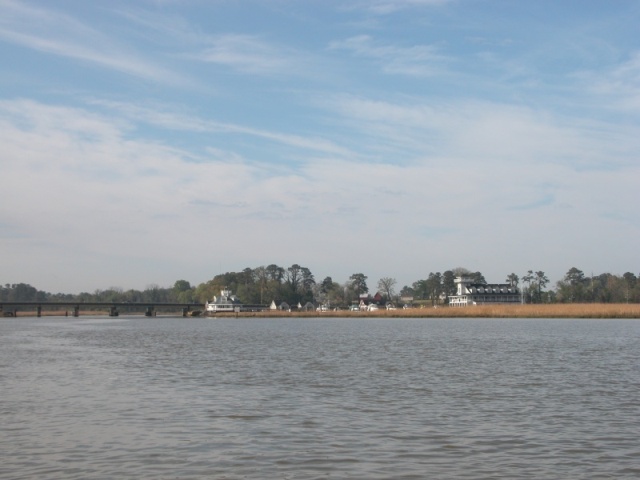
(470, 293)
(226, 302)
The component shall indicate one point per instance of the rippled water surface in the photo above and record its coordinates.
(174, 398)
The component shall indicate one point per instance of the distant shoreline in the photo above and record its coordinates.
(583, 310)
(573, 310)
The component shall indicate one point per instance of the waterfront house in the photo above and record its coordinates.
(366, 299)
(225, 302)
(471, 293)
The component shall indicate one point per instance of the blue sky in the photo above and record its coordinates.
(154, 140)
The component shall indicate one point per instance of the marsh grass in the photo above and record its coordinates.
(573, 310)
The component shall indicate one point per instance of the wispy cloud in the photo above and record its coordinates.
(622, 82)
(418, 60)
(385, 7)
(61, 34)
(475, 131)
(172, 119)
(245, 53)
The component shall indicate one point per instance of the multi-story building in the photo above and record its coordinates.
(470, 293)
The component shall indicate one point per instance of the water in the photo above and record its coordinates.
(174, 398)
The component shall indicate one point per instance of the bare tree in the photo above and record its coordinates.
(386, 285)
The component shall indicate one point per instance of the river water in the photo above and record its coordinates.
(174, 398)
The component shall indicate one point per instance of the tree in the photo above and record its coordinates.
(206, 291)
(477, 277)
(386, 285)
(181, 286)
(308, 280)
(326, 285)
(448, 283)
(572, 287)
(299, 282)
(358, 282)
(293, 276)
(261, 279)
(528, 278)
(541, 281)
(574, 277)
(513, 280)
(631, 279)
(246, 277)
(182, 291)
(605, 289)
(434, 287)
(22, 292)
(630, 282)
(269, 283)
(461, 272)
(275, 273)
(407, 291)
(154, 293)
(420, 289)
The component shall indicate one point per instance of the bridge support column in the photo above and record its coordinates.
(151, 312)
(185, 312)
(113, 312)
(76, 310)
(39, 311)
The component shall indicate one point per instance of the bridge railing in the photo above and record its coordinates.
(10, 309)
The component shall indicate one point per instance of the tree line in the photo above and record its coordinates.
(297, 284)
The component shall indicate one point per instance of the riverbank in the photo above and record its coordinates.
(573, 310)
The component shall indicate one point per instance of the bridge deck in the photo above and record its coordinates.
(11, 308)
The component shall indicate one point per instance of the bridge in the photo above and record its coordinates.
(10, 309)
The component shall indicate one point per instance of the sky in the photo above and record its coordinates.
(143, 142)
